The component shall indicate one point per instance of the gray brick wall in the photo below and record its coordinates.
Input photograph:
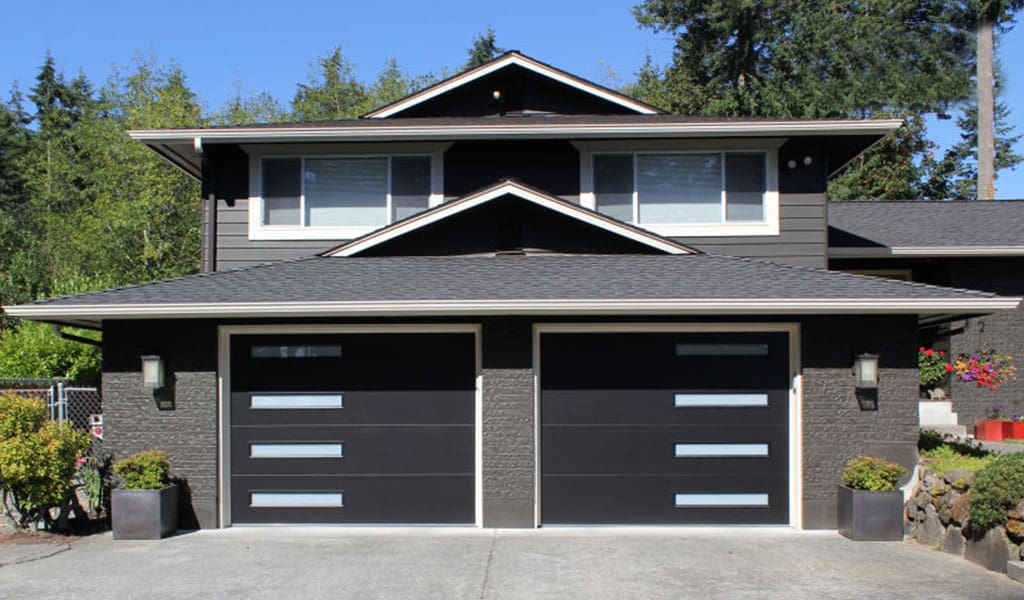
(508, 423)
(835, 428)
(188, 432)
(1003, 332)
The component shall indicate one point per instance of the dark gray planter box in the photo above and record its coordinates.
(870, 516)
(144, 514)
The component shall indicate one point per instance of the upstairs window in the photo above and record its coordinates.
(347, 194)
(669, 188)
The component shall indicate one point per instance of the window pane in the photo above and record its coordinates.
(679, 188)
(281, 189)
(410, 185)
(346, 191)
(613, 185)
(744, 187)
(294, 351)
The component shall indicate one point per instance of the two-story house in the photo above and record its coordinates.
(512, 299)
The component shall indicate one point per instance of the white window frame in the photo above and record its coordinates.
(770, 147)
(258, 230)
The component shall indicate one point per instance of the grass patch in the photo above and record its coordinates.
(945, 458)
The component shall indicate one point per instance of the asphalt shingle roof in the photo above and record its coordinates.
(563, 277)
(926, 224)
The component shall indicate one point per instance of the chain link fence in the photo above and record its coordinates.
(76, 404)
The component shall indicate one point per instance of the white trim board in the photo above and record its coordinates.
(912, 251)
(696, 306)
(224, 333)
(795, 488)
(507, 188)
(502, 62)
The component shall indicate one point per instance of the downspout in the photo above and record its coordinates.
(59, 332)
(209, 235)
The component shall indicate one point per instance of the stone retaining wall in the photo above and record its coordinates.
(937, 515)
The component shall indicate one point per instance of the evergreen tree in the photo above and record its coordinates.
(484, 49)
(331, 92)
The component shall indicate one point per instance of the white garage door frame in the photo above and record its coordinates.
(795, 391)
(224, 333)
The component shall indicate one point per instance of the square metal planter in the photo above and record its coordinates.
(144, 514)
(870, 516)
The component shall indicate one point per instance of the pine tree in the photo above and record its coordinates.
(483, 50)
(331, 92)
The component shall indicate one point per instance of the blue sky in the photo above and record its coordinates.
(268, 46)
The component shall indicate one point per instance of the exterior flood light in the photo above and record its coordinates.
(152, 372)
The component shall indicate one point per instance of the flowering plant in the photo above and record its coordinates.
(985, 368)
(932, 367)
(995, 413)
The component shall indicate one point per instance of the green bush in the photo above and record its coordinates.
(148, 470)
(37, 459)
(872, 473)
(997, 490)
(33, 350)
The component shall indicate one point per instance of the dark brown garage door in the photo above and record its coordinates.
(352, 428)
(662, 428)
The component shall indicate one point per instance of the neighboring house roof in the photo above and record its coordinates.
(502, 189)
(184, 147)
(916, 228)
(691, 284)
(506, 60)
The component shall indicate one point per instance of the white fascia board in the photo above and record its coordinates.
(710, 306)
(925, 251)
(501, 63)
(452, 208)
(508, 129)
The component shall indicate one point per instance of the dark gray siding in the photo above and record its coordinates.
(188, 432)
(835, 429)
(235, 249)
(801, 240)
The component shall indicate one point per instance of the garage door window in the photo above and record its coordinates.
(293, 401)
(293, 351)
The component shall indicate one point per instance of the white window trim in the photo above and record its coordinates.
(768, 227)
(259, 231)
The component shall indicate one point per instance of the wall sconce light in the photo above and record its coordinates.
(496, 95)
(808, 160)
(152, 372)
(865, 380)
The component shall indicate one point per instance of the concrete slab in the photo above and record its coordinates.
(453, 563)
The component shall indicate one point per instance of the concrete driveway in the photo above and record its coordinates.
(308, 562)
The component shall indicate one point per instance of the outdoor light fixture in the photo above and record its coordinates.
(808, 160)
(152, 372)
(496, 95)
(865, 380)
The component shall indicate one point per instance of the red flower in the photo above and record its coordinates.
(929, 352)
(941, 353)
(949, 368)
(921, 349)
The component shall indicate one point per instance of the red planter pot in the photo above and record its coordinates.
(1014, 430)
(990, 430)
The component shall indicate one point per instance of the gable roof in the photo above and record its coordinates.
(508, 187)
(505, 61)
(649, 284)
(918, 228)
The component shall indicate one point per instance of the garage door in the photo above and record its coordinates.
(353, 428)
(662, 428)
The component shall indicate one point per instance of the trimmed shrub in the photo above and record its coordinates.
(872, 473)
(38, 459)
(148, 470)
(997, 490)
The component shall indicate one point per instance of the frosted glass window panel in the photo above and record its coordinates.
(296, 499)
(744, 187)
(303, 450)
(410, 185)
(684, 349)
(296, 401)
(281, 191)
(730, 400)
(346, 191)
(684, 500)
(296, 351)
(613, 185)
(720, 450)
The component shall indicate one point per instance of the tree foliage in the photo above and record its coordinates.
(844, 58)
(483, 49)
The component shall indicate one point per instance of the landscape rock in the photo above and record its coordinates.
(922, 499)
(959, 511)
(959, 478)
(953, 541)
(1015, 571)
(944, 514)
(912, 511)
(991, 551)
(932, 531)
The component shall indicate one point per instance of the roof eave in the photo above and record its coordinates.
(419, 308)
(924, 251)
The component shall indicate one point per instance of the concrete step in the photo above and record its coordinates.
(957, 431)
